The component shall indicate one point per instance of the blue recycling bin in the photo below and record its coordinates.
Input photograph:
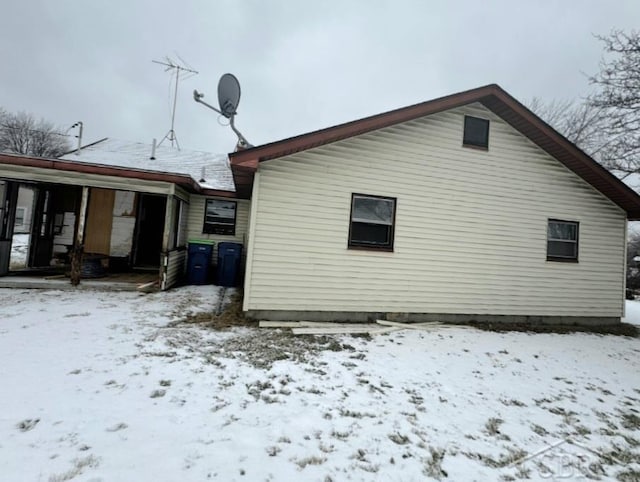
(229, 256)
(198, 261)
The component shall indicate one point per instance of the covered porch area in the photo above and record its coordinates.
(90, 230)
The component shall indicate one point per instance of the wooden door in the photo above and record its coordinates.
(97, 237)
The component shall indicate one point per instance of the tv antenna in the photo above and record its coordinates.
(228, 99)
(180, 71)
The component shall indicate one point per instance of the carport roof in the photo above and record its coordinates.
(210, 171)
(125, 159)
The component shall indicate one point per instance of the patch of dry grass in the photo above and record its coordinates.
(262, 348)
(79, 465)
(231, 316)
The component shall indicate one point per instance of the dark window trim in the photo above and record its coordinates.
(372, 247)
(392, 232)
(564, 259)
(230, 231)
(474, 145)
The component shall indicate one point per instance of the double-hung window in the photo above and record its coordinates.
(219, 217)
(562, 240)
(372, 222)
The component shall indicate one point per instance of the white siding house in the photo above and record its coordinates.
(469, 231)
(130, 205)
(466, 207)
(196, 221)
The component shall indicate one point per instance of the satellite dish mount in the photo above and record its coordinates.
(228, 100)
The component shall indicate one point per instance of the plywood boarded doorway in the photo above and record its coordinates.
(97, 238)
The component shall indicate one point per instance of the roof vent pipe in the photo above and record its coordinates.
(79, 136)
(153, 150)
(202, 173)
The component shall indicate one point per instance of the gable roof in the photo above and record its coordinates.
(244, 163)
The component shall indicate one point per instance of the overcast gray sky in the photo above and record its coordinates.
(302, 65)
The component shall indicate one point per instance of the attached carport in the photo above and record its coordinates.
(125, 215)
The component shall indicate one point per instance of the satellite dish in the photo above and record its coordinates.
(228, 98)
(228, 95)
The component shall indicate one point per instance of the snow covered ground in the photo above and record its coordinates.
(107, 387)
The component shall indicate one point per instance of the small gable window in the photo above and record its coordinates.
(562, 240)
(219, 217)
(476, 132)
(372, 222)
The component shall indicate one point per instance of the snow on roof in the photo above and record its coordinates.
(136, 155)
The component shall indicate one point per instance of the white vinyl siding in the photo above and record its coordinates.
(195, 221)
(470, 227)
(173, 268)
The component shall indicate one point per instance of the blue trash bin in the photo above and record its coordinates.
(198, 262)
(229, 256)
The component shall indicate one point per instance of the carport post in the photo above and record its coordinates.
(166, 240)
(78, 247)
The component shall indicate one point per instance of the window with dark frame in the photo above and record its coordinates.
(476, 132)
(372, 222)
(562, 240)
(219, 217)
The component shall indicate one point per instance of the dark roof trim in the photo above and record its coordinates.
(181, 180)
(491, 96)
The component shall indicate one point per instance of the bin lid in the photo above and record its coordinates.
(229, 244)
(202, 241)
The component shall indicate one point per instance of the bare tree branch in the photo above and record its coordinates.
(607, 124)
(580, 123)
(618, 95)
(21, 134)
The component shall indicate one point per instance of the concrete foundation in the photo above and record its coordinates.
(362, 316)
